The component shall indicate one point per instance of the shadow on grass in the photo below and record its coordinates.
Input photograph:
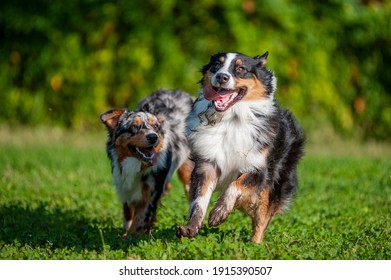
(56, 228)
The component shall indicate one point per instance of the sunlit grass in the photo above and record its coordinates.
(57, 202)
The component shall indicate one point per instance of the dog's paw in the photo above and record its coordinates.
(186, 231)
(217, 216)
(123, 236)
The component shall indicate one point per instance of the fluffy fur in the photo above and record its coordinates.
(145, 148)
(242, 143)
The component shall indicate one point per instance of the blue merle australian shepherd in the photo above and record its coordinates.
(242, 143)
(145, 147)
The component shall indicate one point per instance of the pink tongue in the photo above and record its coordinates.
(211, 94)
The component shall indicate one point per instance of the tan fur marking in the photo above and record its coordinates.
(128, 212)
(248, 201)
(207, 78)
(238, 62)
(255, 89)
(139, 206)
(263, 217)
(124, 140)
(184, 174)
(257, 205)
(137, 120)
(111, 119)
(160, 118)
(138, 140)
(159, 146)
(122, 149)
(167, 188)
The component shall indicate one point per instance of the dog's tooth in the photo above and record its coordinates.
(138, 150)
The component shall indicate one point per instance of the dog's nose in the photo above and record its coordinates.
(222, 78)
(152, 138)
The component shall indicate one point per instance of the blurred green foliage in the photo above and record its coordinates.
(65, 62)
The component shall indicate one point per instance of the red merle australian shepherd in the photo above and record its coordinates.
(242, 143)
(146, 147)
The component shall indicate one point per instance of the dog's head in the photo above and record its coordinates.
(134, 134)
(231, 77)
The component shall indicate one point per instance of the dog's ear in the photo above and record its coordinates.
(261, 59)
(212, 59)
(205, 68)
(111, 118)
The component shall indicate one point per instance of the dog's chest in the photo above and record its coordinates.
(231, 144)
(128, 180)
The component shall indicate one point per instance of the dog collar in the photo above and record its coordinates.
(210, 116)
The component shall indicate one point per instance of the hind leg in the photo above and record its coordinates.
(249, 194)
(263, 215)
(272, 202)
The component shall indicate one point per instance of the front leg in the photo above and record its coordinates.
(145, 209)
(128, 212)
(203, 183)
(242, 193)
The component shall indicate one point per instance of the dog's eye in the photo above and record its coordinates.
(216, 66)
(241, 69)
(156, 126)
(134, 127)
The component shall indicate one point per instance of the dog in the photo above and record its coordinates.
(145, 147)
(242, 143)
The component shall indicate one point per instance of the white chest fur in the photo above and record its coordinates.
(232, 143)
(127, 179)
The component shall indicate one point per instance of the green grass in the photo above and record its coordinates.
(57, 201)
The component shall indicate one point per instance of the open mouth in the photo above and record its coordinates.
(147, 155)
(224, 98)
